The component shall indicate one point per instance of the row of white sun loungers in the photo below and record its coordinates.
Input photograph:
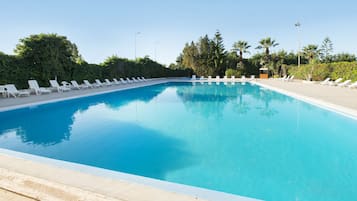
(339, 82)
(288, 78)
(9, 90)
(225, 78)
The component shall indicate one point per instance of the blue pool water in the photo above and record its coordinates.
(241, 139)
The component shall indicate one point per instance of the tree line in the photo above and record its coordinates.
(49, 56)
(208, 56)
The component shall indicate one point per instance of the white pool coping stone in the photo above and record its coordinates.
(57, 171)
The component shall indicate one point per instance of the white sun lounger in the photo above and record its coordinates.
(283, 78)
(12, 90)
(233, 78)
(286, 78)
(129, 81)
(143, 78)
(99, 83)
(193, 77)
(87, 83)
(107, 82)
(59, 88)
(291, 78)
(139, 79)
(336, 82)
(209, 77)
(217, 77)
(3, 91)
(134, 79)
(353, 85)
(116, 81)
(75, 85)
(38, 90)
(66, 84)
(344, 84)
(325, 82)
(123, 81)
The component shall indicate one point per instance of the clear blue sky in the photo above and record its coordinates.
(104, 28)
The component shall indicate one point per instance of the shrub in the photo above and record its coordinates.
(346, 70)
(230, 72)
(318, 72)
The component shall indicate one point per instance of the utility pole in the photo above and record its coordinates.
(297, 25)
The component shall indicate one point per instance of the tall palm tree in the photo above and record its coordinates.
(267, 43)
(280, 60)
(311, 52)
(242, 47)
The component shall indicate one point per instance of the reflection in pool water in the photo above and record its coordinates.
(241, 139)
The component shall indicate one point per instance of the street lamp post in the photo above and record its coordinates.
(297, 25)
(136, 34)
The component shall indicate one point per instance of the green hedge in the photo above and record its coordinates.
(346, 70)
(236, 73)
(17, 71)
(48, 56)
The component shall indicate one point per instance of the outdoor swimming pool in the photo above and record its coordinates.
(240, 139)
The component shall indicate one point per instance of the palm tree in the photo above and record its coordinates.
(267, 43)
(242, 47)
(311, 52)
(280, 61)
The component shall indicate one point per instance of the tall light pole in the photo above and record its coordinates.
(136, 34)
(297, 25)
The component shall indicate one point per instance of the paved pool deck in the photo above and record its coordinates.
(22, 178)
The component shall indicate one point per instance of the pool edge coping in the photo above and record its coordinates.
(120, 177)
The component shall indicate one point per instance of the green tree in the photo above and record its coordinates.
(190, 55)
(242, 47)
(279, 60)
(326, 50)
(206, 57)
(205, 52)
(266, 44)
(232, 60)
(219, 54)
(48, 56)
(312, 53)
(343, 57)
